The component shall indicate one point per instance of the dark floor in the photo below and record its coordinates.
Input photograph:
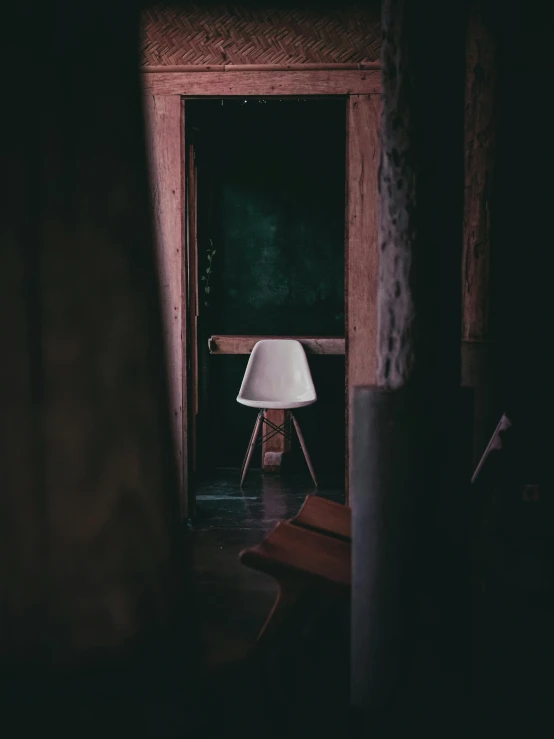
(275, 695)
(307, 681)
(203, 678)
(301, 689)
(511, 635)
(234, 600)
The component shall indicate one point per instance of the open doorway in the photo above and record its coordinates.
(266, 181)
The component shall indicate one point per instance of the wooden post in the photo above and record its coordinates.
(165, 139)
(403, 467)
(362, 252)
(274, 448)
(481, 110)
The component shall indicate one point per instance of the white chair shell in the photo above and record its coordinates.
(277, 376)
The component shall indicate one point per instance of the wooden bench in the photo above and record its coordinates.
(310, 551)
(325, 517)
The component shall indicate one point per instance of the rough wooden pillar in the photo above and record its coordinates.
(404, 470)
(480, 131)
(90, 556)
(362, 252)
(419, 205)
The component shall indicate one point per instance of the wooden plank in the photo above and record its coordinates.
(325, 516)
(277, 445)
(165, 137)
(362, 253)
(307, 556)
(257, 83)
(233, 344)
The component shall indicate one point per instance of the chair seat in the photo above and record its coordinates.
(277, 404)
(277, 376)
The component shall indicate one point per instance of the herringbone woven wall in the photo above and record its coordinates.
(240, 34)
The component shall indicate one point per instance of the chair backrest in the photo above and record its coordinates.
(278, 371)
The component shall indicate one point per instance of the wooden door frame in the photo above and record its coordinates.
(165, 90)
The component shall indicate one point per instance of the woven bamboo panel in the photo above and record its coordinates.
(240, 34)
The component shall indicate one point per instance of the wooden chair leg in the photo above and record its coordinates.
(304, 449)
(248, 449)
(251, 445)
(285, 601)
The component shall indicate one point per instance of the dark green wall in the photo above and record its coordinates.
(271, 203)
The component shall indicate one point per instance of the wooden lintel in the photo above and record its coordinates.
(256, 83)
(244, 344)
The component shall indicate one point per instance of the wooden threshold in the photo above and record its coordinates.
(219, 344)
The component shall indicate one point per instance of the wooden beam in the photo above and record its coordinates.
(165, 128)
(481, 103)
(325, 516)
(362, 254)
(361, 249)
(480, 133)
(220, 344)
(277, 445)
(258, 83)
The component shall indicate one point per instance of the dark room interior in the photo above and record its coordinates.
(276, 398)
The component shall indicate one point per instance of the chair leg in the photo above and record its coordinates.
(287, 597)
(250, 449)
(304, 449)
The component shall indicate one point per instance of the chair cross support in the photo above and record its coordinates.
(276, 430)
(284, 431)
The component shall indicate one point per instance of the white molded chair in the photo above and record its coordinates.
(277, 376)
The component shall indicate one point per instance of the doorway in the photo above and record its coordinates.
(266, 182)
